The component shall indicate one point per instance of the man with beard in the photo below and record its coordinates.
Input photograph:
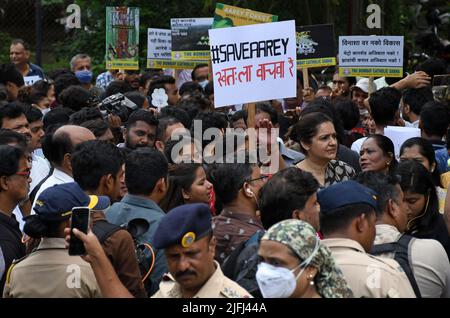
(132, 78)
(140, 130)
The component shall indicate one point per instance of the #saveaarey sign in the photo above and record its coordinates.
(122, 38)
(315, 46)
(190, 39)
(371, 56)
(253, 63)
(227, 16)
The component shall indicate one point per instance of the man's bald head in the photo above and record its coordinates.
(76, 134)
(59, 146)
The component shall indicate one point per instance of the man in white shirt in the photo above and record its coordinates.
(58, 148)
(383, 110)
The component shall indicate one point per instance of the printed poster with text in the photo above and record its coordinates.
(122, 38)
(190, 40)
(371, 56)
(227, 16)
(253, 63)
(315, 46)
(159, 51)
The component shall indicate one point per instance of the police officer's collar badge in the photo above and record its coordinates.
(188, 239)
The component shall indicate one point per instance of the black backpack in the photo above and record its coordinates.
(144, 251)
(401, 255)
(241, 265)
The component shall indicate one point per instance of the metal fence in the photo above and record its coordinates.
(39, 23)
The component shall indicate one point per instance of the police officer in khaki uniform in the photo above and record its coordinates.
(347, 221)
(186, 235)
(49, 271)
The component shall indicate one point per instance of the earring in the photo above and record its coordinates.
(311, 280)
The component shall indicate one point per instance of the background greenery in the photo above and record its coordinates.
(17, 20)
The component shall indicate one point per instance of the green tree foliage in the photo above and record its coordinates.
(397, 18)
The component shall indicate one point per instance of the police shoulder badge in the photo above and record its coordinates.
(188, 239)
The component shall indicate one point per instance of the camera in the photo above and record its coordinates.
(118, 105)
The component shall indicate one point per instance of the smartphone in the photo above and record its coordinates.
(80, 221)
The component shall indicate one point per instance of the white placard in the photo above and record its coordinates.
(371, 55)
(30, 80)
(253, 63)
(159, 44)
(398, 135)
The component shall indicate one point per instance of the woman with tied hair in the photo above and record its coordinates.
(377, 154)
(187, 184)
(424, 219)
(295, 264)
(317, 137)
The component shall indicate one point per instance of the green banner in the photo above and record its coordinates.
(122, 38)
(227, 16)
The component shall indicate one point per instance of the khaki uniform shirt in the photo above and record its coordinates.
(367, 275)
(428, 261)
(50, 272)
(218, 286)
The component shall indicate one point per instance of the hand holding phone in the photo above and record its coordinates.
(79, 220)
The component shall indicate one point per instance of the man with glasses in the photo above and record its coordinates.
(14, 185)
(236, 186)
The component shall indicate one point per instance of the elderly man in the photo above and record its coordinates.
(19, 54)
(58, 150)
(81, 65)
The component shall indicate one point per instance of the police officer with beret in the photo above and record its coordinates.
(347, 222)
(186, 235)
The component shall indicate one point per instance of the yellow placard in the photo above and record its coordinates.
(122, 64)
(177, 65)
(191, 55)
(371, 71)
(229, 16)
(321, 62)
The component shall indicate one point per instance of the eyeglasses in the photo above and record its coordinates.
(263, 177)
(25, 173)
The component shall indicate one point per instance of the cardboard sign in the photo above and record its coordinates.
(159, 53)
(159, 45)
(371, 56)
(253, 63)
(315, 46)
(398, 135)
(227, 16)
(30, 80)
(190, 40)
(122, 38)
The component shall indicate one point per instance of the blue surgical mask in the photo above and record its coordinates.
(84, 77)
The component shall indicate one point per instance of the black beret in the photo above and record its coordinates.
(345, 194)
(183, 225)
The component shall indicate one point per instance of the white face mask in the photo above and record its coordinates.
(203, 83)
(280, 282)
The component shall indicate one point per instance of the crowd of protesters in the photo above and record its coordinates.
(341, 216)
